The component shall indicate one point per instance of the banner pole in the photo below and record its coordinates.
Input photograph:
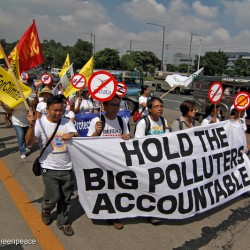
(14, 78)
(169, 91)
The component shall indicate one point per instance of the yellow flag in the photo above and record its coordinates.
(65, 66)
(1, 55)
(87, 71)
(9, 93)
(14, 64)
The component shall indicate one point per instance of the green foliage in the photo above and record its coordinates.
(107, 59)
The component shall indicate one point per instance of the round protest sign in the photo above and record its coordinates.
(78, 81)
(46, 79)
(24, 76)
(215, 92)
(102, 86)
(121, 89)
(242, 101)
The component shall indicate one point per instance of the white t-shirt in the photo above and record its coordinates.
(19, 116)
(86, 106)
(208, 119)
(111, 128)
(69, 114)
(141, 100)
(56, 155)
(156, 128)
(42, 108)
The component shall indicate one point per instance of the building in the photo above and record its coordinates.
(234, 56)
(180, 58)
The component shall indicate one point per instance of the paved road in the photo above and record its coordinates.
(227, 227)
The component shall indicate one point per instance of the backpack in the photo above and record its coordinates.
(181, 125)
(119, 120)
(147, 122)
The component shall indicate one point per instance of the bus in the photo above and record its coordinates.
(231, 86)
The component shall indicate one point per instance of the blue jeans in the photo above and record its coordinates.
(58, 188)
(20, 133)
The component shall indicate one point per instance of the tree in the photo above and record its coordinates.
(107, 59)
(182, 68)
(241, 67)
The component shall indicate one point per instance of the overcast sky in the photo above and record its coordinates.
(225, 23)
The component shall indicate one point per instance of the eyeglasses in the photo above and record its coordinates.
(193, 110)
(113, 105)
(158, 107)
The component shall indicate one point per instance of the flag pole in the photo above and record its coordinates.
(14, 78)
(169, 91)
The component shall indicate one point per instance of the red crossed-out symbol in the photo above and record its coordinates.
(78, 81)
(24, 76)
(102, 86)
(46, 79)
(242, 101)
(215, 92)
(121, 89)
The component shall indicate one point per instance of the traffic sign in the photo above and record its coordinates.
(121, 89)
(215, 92)
(102, 86)
(78, 81)
(242, 101)
(24, 76)
(46, 79)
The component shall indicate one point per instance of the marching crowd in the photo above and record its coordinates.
(53, 117)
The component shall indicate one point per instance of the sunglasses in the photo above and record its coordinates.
(193, 110)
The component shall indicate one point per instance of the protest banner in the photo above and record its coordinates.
(82, 121)
(174, 175)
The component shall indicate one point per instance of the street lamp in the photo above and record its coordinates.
(198, 66)
(163, 37)
(93, 43)
(192, 34)
(130, 44)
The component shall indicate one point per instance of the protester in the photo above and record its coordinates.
(7, 115)
(144, 96)
(113, 126)
(84, 104)
(211, 114)
(67, 113)
(55, 161)
(153, 124)
(186, 120)
(41, 108)
(238, 116)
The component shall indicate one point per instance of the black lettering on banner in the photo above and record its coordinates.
(218, 157)
(212, 138)
(227, 160)
(127, 183)
(222, 137)
(145, 146)
(170, 202)
(238, 185)
(208, 173)
(182, 202)
(92, 176)
(229, 185)
(240, 155)
(234, 157)
(107, 206)
(153, 179)
(176, 173)
(140, 201)
(167, 150)
(186, 181)
(199, 198)
(128, 153)
(197, 178)
(219, 191)
(208, 186)
(200, 134)
(111, 179)
(244, 176)
(189, 150)
(118, 202)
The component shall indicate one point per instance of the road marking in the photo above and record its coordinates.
(42, 233)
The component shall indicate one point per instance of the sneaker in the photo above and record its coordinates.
(116, 224)
(23, 156)
(28, 149)
(45, 217)
(67, 230)
(155, 221)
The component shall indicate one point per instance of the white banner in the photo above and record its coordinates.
(174, 176)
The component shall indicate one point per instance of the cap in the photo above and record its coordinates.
(46, 90)
(84, 89)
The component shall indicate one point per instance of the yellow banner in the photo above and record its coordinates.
(87, 71)
(65, 66)
(14, 63)
(9, 93)
(1, 55)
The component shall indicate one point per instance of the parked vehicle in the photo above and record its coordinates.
(231, 86)
(161, 85)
